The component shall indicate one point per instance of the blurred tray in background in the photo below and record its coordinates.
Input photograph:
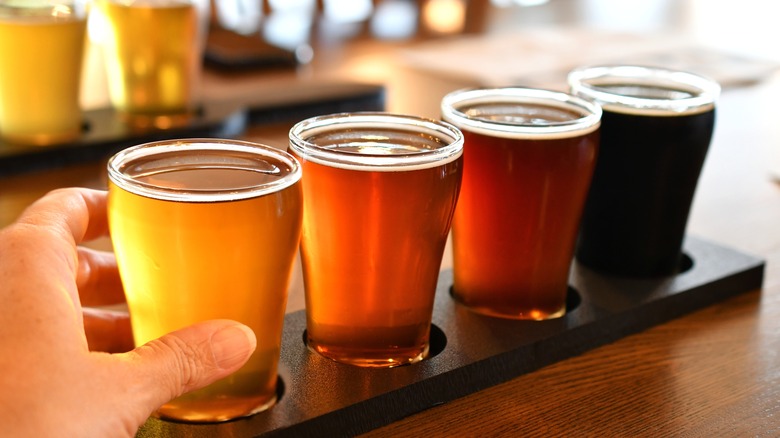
(106, 133)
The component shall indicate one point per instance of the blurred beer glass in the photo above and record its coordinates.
(153, 52)
(655, 132)
(206, 229)
(379, 193)
(528, 156)
(41, 51)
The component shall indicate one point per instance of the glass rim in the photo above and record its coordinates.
(589, 121)
(125, 157)
(49, 11)
(585, 81)
(374, 122)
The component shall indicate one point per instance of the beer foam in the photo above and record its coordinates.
(376, 142)
(520, 113)
(645, 90)
(41, 11)
(153, 3)
(203, 170)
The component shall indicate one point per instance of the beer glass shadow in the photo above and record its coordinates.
(634, 290)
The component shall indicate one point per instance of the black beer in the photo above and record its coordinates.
(655, 132)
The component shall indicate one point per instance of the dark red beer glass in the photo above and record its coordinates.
(528, 159)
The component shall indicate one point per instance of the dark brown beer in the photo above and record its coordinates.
(656, 130)
(524, 185)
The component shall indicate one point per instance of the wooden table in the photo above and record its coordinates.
(715, 372)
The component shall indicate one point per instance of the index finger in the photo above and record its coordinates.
(75, 214)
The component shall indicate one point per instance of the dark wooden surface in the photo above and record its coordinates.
(714, 372)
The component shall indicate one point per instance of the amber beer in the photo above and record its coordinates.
(656, 130)
(208, 229)
(379, 193)
(152, 56)
(41, 51)
(529, 157)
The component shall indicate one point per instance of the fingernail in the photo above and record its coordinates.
(233, 345)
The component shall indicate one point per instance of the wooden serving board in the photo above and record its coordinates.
(471, 352)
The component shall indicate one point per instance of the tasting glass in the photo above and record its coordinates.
(208, 229)
(655, 133)
(379, 194)
(529, 156)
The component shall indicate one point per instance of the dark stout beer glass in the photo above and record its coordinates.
(655, 133)
(528, 159)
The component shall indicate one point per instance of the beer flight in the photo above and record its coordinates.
(525, 180)
(207, 228)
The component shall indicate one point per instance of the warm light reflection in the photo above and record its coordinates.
(290, 5)
(347, 11)
(530, 2)
(623, 16)
(240, 16)
(710, 21)
(394, 19)
(289, 29)
(444, 16)
(509, 3)
(329, 30)
(61, 11)
(97, 28)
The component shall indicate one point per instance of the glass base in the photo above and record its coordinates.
(529, 313)
(215, 410)
(368, 359)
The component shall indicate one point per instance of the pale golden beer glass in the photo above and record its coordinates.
(380, 191)
(208, 229)
(41, 51)
(152, 51)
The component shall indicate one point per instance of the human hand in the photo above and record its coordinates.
(50, 381)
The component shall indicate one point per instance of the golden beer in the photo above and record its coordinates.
(380, 192)
(215, 237)
(41, 51)
(152, 58)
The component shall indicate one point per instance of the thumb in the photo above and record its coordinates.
(190, 359)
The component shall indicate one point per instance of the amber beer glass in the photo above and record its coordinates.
(656, 130)
(529, 157)
(153, 55)
(41, 52)
(380, 190)
(206, 229)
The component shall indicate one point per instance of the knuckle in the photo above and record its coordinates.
(189, 360)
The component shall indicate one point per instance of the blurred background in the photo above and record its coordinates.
(465, 42)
